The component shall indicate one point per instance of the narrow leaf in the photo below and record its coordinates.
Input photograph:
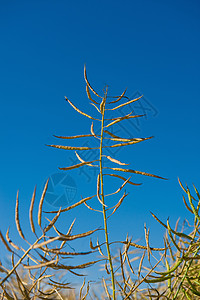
(135, 172)
(89, 96)
(71, 227)
(123, 118)
(82, 161)
(45, 242)
(141, 262)
(187, 205)
(89, 207)
(123, 178)
(4, 242)
(180, 234)
(31, 211)
(144, 247)
(72, 137)
(147, 242)
(158, 279)
(95, 107)
(85, 76)
(72, 206)
(128, 102)
(41, 203)
(92, 131)
(79, 111)
(17, 217)
(48, 263)
(172, 269)
(195, 212)
(78, 165)
(135, 141)
(9, 240)
(102, 105)
(52, 222)
(118, 204)
(119, 98)
(70, 148)
(82, 266)
(120, 139)
(115, 160)
(120, 188)
(77, 236)
(170, 234)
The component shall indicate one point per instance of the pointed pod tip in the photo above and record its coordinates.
(85, 70)
(66, 99)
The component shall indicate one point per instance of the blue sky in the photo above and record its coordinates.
(150, 47)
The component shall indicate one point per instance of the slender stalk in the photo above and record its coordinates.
(20, 260)
(102, 198)
(185, 274)
(182, 270)
(185, 264)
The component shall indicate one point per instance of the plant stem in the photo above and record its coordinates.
(102, 198)
(20, 260)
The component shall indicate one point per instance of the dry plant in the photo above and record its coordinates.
(42, 260)
(36, 273)
(181, 274)
(104, 106)
(46, 254)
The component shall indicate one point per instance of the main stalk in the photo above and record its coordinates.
(102, 198)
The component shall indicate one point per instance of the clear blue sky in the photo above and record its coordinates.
(148, 46)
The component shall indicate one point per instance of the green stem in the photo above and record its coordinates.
(102, 198)
(185, 274)
(184, 265)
